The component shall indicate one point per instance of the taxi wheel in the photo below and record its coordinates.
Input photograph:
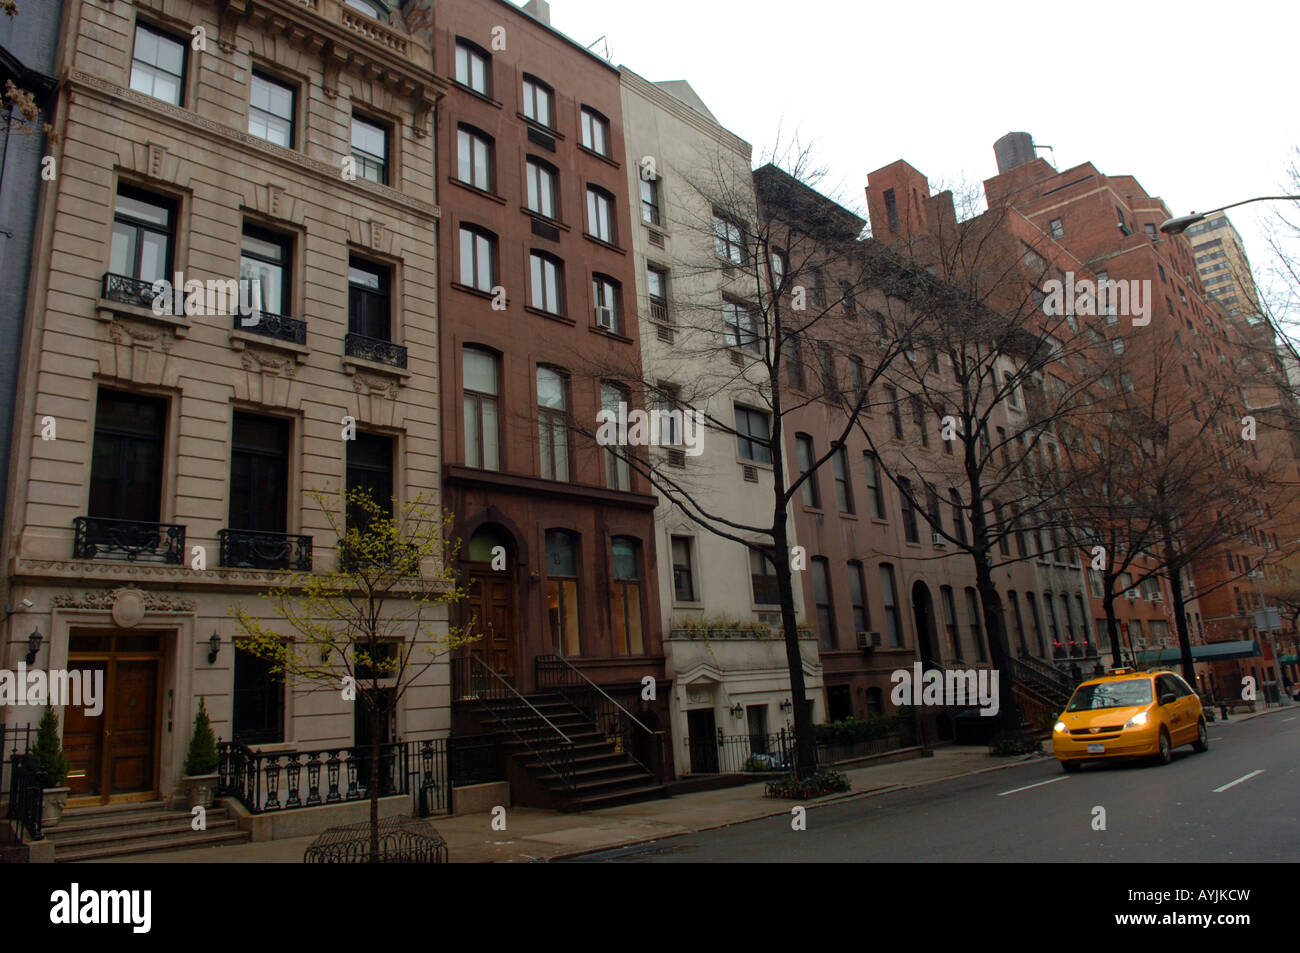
(1069, 767)
(1166, 754)
(1202, 742)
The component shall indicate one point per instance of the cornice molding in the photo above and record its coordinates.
(102, 88)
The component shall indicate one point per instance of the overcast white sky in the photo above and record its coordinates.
(1195, 99)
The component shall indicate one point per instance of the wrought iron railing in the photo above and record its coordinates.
(27, 796)
(1054, 688)
(125, 289)
(741, 754)
(278, 326)
(251, 549)
(643, 745)
(374, 349)
(274, 781)
(14, 740)
(475, 759)
(102, 538)
(472, 680)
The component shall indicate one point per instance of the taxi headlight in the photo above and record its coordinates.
(1138, 720)
(1059, 726)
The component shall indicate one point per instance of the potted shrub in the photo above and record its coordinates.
(48, 755)
(200, 781)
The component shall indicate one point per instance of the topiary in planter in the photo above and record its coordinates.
(48, 750)
(202, 756)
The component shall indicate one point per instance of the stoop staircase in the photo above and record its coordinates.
(117, 830)
(572, 747)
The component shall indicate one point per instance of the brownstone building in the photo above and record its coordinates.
(539, 322)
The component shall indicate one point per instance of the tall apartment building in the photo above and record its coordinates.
(1109, 225)
(1223, 267)
(165, 457)
(723, 644)
(539, 329)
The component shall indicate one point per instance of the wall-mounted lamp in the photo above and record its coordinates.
(736, 710)
(787, 705)
(214, 645)
(34, 645)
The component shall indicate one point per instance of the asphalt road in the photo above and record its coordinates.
(1238, 802)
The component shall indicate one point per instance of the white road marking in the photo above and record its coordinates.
(1292, 718)
(1028, 786)
(1244, 777)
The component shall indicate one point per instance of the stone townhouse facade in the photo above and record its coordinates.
(723, 646)
(160, 472)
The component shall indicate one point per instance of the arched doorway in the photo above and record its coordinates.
(489, 609)
(927, 638)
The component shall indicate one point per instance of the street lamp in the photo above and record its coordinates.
(1176, 226)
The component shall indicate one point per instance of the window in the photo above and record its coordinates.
(482, 409)
(762, 575)
(875, 490)
(830, 382)
(542, 195)
(370, 150)
(1032, 602)
(650, 201)
(918, 419)
(893, 624)
(909, 510)
(158, 65)
(618, 472)
(539, 101)
(858, 378)
(756, 721)
(368, 300)
(1050, 608)
(477, 258)
(728, 240)
(822, 597)
(683, 569)
(600, 214)
(1002, 531)
(259, 478)
(1150, 230)
(562, 591)
(656, 280)
(950, 623)
(843, 490)
(374, 8)
(753, 435)
(257, 715)
(547, 283)
(976, 624)
(473, 67)
(1020, 622)
(848, 299)
(740, 326)
(474, 158)
(553, 423)
(895, 413)
(779, 267)
(606, 296)
(858, 597)
(264, 264)
(628, 639)
(595, 131)
(370, 469)
(804, 446)
(891, 209)
(932, 508)
(271, 111)
(126, 468)
(1058, 229)
(817, 286)
(143, 232)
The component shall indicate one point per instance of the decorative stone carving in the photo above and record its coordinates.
(275, 203)
(378, 236)
(375, 385)
(268, 362)
(132, 601)
(128, 608)
(157, 157)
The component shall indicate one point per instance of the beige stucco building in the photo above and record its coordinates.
(167, 458)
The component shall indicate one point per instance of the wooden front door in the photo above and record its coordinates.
(114, 755)
(491, 607)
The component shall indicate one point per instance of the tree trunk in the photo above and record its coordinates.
(1175, 570)
(1112, 626)
(805, 743)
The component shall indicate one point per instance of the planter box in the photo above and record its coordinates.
(198, 790)
(55, 800)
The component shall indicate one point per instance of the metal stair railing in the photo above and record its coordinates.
(479, 682)
(1055, 691)
(610, 718)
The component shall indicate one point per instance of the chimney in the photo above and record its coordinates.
(1012, 150)
(539, 9)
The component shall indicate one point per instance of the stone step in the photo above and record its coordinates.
(178, 827)
(75, 823)
(187, 841)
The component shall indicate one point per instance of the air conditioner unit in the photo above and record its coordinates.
(938, 539)
(1131, 595)
(1157, 596)
(605, 317)
(868, 641)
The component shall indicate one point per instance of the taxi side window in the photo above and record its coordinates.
(1180, 684)
(1165, 686)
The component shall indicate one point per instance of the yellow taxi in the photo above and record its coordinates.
(1129, 714)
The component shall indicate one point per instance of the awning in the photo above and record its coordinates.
(1209, 652)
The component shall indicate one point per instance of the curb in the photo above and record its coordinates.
(824, 801)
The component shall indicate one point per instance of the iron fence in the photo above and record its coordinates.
(27, 796)
(769, 753)
(14, 740)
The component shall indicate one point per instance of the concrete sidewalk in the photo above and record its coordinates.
(533, 835)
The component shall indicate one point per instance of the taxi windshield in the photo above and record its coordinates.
(1111, 695)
